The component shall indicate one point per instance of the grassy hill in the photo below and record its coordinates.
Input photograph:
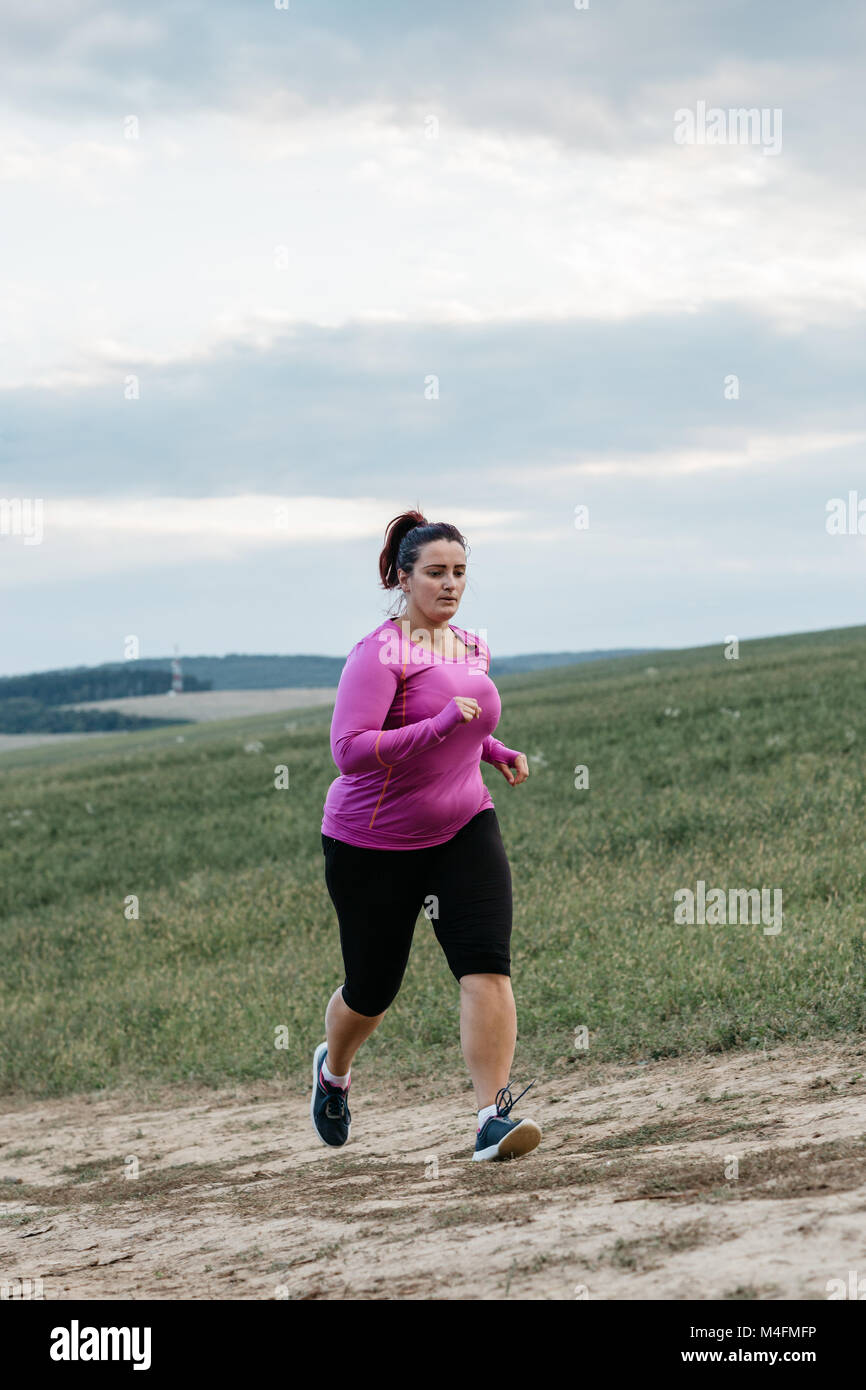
(744, 774)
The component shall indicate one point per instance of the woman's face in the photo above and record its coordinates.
(439, 576)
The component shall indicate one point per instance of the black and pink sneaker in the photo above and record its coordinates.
(500, 1137)
(329, 1107)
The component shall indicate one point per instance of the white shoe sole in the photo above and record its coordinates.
(520, 1140)
(318, 1058)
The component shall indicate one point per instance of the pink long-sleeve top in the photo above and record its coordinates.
(410, 765)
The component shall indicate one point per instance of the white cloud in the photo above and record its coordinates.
(766, 449)
(167, 248)
(92, 536)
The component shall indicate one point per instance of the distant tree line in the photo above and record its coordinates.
(262, 672)
(85, 683)
(29, 704)
(26, 716)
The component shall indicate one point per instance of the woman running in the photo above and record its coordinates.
(409, 823)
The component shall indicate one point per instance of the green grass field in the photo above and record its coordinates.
(237, 936)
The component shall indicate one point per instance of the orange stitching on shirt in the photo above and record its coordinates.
(379, 802)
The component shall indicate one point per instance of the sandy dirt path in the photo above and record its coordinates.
(633, 1194)
(208, 705)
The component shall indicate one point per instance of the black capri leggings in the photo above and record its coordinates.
(464, 886)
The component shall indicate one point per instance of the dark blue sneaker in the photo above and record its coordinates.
(329, 1109)
(500, 1137)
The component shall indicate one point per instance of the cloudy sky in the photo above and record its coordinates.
(240, 241)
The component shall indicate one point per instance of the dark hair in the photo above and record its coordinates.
(405, 536)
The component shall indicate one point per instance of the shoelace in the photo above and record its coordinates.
(335, 1106)
(505, 1109)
